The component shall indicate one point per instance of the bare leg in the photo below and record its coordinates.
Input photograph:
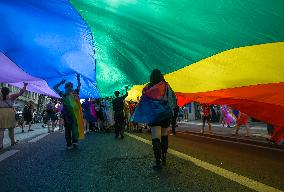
(30, 126)
(237, 129)
(85, 125)
(203, 125)
(88, 127)
(48, 126)
(12, 136)
(52, 126)
(1, 138)
(210, 127)
(23, 126)
(247, 130)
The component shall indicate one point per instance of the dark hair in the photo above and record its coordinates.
(116, 93)
(156, 77)
(5, 92)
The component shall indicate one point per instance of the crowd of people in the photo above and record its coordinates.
(156, 111)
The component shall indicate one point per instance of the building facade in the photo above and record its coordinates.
(38, 100)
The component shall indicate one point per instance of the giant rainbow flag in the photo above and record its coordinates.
(222, 52)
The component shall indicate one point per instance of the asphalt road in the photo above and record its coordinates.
(102, 163)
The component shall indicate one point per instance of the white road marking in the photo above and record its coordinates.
(240, 143)
(8, 154)
(38, 138)
(245, 181)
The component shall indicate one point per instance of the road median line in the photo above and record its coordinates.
(247, 182)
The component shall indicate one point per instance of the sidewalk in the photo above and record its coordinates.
(38, 130)
(258, 130)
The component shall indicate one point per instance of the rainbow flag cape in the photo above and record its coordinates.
(216, 52)
(73, 105)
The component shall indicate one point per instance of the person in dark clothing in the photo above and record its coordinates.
(214, 118)
(28, 116)
(70, 123)
(174, 119)
(119, 116)
(156, 109)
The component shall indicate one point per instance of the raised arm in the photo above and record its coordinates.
(56, 87)
(79, 82)
(16, 95)
(126, 94)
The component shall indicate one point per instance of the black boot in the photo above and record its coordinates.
(164, 146)
(157, 152)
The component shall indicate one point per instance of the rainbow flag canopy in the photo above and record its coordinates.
(222, 52)
(42, 42)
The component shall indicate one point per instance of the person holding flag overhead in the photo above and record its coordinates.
(119, 115)
(72, 112)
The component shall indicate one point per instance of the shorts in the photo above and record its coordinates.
(206, 118)
(28, 118)
(164, 124)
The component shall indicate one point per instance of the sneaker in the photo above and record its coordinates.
(75, 145)
(69, 147)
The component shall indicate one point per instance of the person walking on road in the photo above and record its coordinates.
(72, 112)
(119, 115)
(174, 119)
(51, 116)
(7, 113)
(206, 117)
(156, 109)
(242, 120)
(28, 116)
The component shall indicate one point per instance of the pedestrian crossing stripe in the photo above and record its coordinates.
(34, 140)
(8, 154)
(247, 182)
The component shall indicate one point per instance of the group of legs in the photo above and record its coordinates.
(208, 120)
(71, 136)
(27, 122)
